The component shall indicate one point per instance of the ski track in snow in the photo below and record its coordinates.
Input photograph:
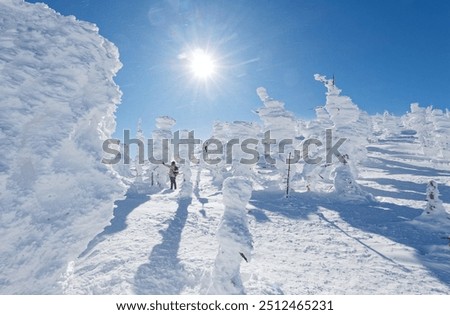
(306, 244)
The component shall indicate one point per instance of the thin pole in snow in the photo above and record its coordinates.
(288, 175)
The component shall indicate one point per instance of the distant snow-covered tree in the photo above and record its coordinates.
(228, 139)
(419, 119)
(184, 179)
(386, 126)
(434, 203)
(281, 135)
(317, 175)
(441, 124)
(142, 182)
(160, 150)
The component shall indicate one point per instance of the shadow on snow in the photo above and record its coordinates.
(397, 167)
(196, 192)
(164, 274)
(394, 222)
(118, 223)
(276, 201)
(403, 189)
(386, 219)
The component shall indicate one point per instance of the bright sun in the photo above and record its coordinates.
(202, 64)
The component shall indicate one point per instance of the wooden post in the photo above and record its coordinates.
(288, 175)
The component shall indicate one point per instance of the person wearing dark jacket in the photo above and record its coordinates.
(173, 172)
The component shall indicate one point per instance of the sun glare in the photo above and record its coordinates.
(202, 64)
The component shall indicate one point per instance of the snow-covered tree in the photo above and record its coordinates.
(419, 119)
(184, 178)
(386, 126)
(317, 175)
(281, 123)
(434, 203)
(345, 121)
(441, 124)
(233, 235)
(140, 160)
(160, 150)
(228, 139)
(58, 101)
(349, 122)
(141, 168)
(346, 187)
(281, 136)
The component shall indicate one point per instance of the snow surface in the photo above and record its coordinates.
(310, 243)
(354, 228)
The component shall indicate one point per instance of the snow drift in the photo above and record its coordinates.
(57, 100)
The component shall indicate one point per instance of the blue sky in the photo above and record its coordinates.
(384, 55)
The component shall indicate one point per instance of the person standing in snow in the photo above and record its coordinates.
(173, 172)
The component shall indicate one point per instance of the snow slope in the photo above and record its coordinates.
(58, 99)
(306, 244)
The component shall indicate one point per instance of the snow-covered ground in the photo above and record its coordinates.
(353, 224)
(305, 244)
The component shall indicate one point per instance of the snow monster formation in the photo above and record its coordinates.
(235, 240)
(434, 203)
(58, 99)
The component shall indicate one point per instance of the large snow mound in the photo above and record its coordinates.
(57, 100)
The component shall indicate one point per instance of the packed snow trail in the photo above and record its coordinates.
(306, 244)
(163, 250)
